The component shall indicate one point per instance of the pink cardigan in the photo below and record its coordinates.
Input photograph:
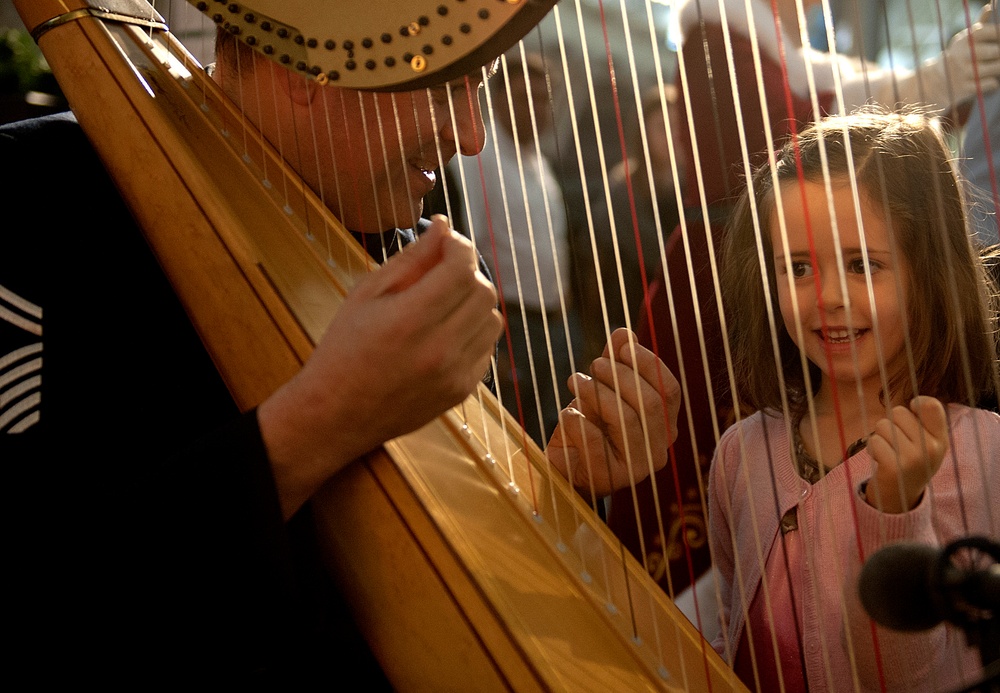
(753, 483)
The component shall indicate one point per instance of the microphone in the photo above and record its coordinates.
(914, 587)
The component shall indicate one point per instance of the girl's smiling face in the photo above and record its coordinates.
(846, 330)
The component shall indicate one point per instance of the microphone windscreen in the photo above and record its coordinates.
(895, 587)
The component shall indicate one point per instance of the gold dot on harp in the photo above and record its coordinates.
(413, 28)
(322, 79)
(418, 63)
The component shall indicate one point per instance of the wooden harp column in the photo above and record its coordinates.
(469, 565)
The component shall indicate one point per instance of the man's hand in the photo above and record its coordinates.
(410, 341)
(908, 447)
(609, 441)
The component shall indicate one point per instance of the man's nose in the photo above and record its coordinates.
(467, 129)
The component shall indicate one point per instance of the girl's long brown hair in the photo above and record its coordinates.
(903, 167)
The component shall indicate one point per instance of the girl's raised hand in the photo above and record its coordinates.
(908, 447)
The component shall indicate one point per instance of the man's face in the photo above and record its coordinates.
(369, 156)
(372, 156)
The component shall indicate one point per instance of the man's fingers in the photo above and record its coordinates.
(644, 381)
(577, 449)
(636, 377)
(637, 394)
(480, 330)
(438, 273)
(584, 388)
(410, 264)
(440, 306)
(650, 368)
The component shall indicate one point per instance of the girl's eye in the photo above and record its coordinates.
(801, 269)
(857, 266)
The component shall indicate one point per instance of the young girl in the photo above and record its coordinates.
(863, 348)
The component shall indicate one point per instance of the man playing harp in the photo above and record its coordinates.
(157, 531)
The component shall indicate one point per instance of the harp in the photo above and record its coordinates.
(542, 609)
(274, 267)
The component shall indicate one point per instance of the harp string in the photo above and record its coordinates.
(568, 84)
(607, 328)
(491, 232)
(577, 148)
(560, 289)
(448, 209)
(698, 327)
(450, 213)
(644, 283)
(475, 235)
(980, 105)
(603, 172)
(684, 372)
(535, 271)
(603, 169)
(259, 105)
(882, 358)
(280, 144)
(770, 316)
(534, 258)
(760, 548)
(637, 239)
(372, 164)
(338, 195)
(626, 312)
(950, 263)
(838, 417)
(313, 161)
(661, 232)
(813, 95)
(397, 119)
(588, 214)
(572, 115)
(792, 135)
(600, 149)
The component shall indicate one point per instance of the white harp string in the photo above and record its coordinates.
(388, 136)
(857, 210)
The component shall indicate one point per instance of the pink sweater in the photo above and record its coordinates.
(753, 483)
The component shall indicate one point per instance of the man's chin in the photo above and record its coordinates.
(407, 219)
(380, 224)
(415, 213)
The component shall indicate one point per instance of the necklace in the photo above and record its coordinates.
(808, 466)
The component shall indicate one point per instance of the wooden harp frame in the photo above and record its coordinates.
(457, 577)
